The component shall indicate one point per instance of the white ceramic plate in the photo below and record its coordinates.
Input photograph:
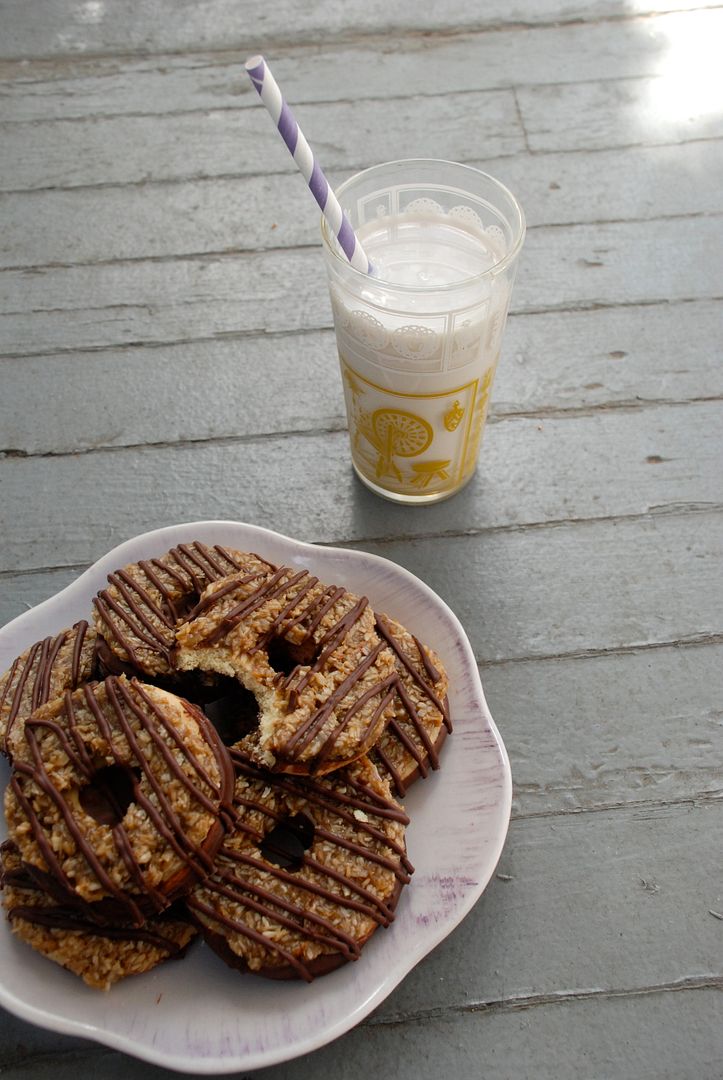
(199, 1016)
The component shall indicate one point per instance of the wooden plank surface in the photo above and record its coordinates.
(517, 484)
(578, 729)
(158, 220)
(634, 870)
(566, 267)
(61, 28)
(147, 148)
(166, 354)
(517, 591)
(455, 64)
(575, 51)
(553, 364)
(140, 148)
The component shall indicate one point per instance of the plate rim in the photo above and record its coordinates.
(218, 1064)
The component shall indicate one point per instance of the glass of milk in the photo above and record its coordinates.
(419, 340)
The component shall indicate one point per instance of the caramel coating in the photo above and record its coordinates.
(136, 615)
(410, 744)
(116, 795)
(43, 672)
(100, 955)
(304, 919)
(323, 677)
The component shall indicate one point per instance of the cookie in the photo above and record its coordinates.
(137, 613)
(117, 797)
(43, 672)
(311, 870)
(410, 744)
(99, 954)
(324, 679)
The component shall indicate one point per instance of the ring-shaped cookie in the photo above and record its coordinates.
(310, 653)
(312, 869)
(136, 615)
(100, 954)
(117, 797)
(43, 672)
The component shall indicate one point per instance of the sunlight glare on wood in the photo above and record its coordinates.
(690, 82)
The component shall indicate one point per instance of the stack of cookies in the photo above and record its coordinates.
(215, 751)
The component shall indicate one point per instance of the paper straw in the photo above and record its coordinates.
(300, 150)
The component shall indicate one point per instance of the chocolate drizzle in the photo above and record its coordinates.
(304, 614)
(145, 601)
(58, 916)
(136, 733)
(32, 676)
(423, 750)
(340, 668)
(239, 871)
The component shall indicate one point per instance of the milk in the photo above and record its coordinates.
(418, 345)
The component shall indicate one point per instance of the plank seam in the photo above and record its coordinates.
(662, 510)
(692, 641)
(675, 510)
(347, 168)
(241, 252)
(559, 997)
(248, 101)
(330, 40)
(338, 424)
(255, 332)
(651, 807)
(260, 333)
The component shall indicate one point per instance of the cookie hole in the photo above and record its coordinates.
(234, 712)
(285, 845)
(284, 655)
(183, 606)
(105, 662)
(109, 794)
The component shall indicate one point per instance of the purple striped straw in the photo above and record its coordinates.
(300, 150)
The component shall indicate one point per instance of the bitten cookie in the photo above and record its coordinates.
(43, 672)
(310, 653)
(137, 614)
(100, 955)
(410, 744)
(311, 870)
(117, 796)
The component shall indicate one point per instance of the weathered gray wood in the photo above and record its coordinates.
(645, 868)
(518, 484)
(561, 268)
(53, 28)
(190, 218)
(403, 66)
(587, 732)
(573, 588)
(517, 593)
(618, 113)
(18, 592)
(551, 362)
(587, 541)
(651, 869)
(346, 134)
(588, 358)
(668, 1035)
(212, 389)
(577, 729)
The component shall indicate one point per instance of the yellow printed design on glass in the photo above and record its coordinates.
(414, 443)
